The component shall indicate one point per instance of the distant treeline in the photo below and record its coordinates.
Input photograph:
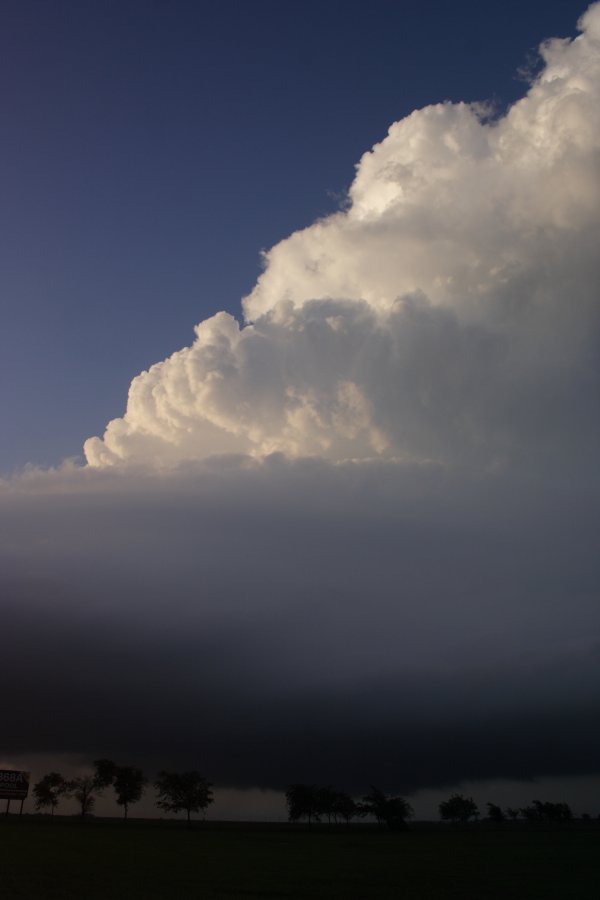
(190, 792)
(187, 792)
(316, 803)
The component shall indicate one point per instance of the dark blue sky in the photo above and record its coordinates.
(151, 149)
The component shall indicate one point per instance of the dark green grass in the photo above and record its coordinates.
(106, 860)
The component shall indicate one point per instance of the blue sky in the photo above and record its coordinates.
(150, 150)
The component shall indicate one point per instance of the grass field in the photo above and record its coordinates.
(42, 859)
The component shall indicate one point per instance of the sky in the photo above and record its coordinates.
(151, 150)
(299, 387)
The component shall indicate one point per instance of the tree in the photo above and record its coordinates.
(557, 812)
(105, 771)
(307, 801)
(303, 802)
(325, 799)
(495, 813)
(458, 808)
(393, 811)
(129, 785)
(127, 781)
(84, 789)
(530, 813)
(562, 812)
(185, 791)
(344, 806)
(547, 812)
(49, 790)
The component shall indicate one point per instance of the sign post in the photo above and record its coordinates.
(14, 785)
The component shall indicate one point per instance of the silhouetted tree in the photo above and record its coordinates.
(495, 813)
(458, 808)
(393, 811)
(84, 789)
(105, 771)
(49, 790)
(303, 802)
(127, 781)
(547, 812)
(558, 812)
(129, 785)
(183, 792)
(530, 813)
(344, 806)
(307, 801)
(512, 813)
(325, 800)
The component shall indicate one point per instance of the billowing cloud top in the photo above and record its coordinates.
(449, 313)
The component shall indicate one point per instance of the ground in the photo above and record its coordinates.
(66, 859)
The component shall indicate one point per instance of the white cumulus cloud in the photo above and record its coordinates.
(450, 312)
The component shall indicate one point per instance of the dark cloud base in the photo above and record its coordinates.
(189, 707)
(407, 626)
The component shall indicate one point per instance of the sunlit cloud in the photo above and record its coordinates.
(449, 313)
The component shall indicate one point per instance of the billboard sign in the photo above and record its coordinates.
(13, 785)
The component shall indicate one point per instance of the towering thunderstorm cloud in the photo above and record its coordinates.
(353, 540)
(449, 313)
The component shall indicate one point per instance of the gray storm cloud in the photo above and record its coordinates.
(450, 312)
(355, 538)
(279, 621)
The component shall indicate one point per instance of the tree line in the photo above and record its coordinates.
(187, 792)
(462, 809)
(190, 792)
(314, 803)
